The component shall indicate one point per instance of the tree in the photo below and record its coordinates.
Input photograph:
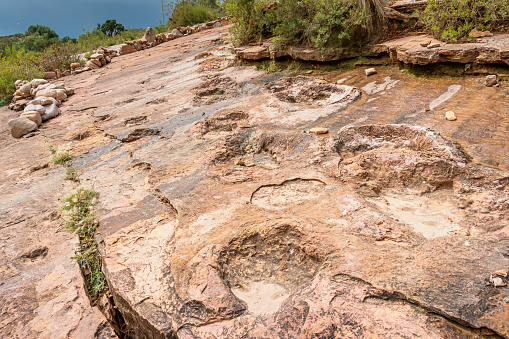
(42, 31)
(38, 37)
(110, 27)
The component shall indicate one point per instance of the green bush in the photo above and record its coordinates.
(37, 38)
(17, 64)
(453, 20)
(318, 23)
(191, 12)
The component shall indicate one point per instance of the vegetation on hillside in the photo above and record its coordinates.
(454, 19)
(27, 56)
(185, 13)
(318, 23)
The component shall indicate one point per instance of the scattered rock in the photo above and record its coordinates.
(95, 62)
(21, 126)
(37, 108)
(449, 115)
(433, 45)
(500, 273)
(50, 93)
(50, 75)
(479, 34)
(37, 82)
(319, 130)
(497, 281)
(150, 35)
(61, 94)
(51, 111)
(425, 43)
(176, 34)
(33, 116)
(491, 80)
(370, 71)
(75, 65)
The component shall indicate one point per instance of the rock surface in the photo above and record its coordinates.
(220, 218)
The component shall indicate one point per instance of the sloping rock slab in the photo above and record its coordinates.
(306, 249)
(408, 50)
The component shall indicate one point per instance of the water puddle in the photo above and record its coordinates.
(262, 298)
(427, 215)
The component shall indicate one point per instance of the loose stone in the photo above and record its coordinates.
(449, 115)
(370, 71)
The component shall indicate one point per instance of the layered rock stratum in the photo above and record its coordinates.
(221, 216)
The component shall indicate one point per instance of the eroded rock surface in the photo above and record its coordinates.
(231, 221)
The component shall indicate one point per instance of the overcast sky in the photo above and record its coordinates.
(67, 17)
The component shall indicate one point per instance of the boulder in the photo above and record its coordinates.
(37, 82)
(217, 24)
(176, 33)
(47, 92)
(25, 90)
(21, 126)
(95, 62)
(37, 108)
(33, 116)
(43, 101)
(18, 83)
(50, 75)
(97, 56)
(491, 80)
(123, 49)
(75, 65)
(51, 111)
(479, 34)
(69, 91)
(150, 35)
(61, 94)
(92, 65)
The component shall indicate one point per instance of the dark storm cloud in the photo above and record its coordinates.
(68, 17)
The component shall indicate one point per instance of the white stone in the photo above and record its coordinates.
(370, 71)
(449, 115)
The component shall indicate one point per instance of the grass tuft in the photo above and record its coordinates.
(79, 205)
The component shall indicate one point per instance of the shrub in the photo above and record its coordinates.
(58, 57)
(62, 155)
(191, 12)
(17, 64)
(453, 20)
(318, 23)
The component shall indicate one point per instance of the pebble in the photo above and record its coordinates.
(426, 43)
(449, 115)
(319, 130)
(370, 71)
